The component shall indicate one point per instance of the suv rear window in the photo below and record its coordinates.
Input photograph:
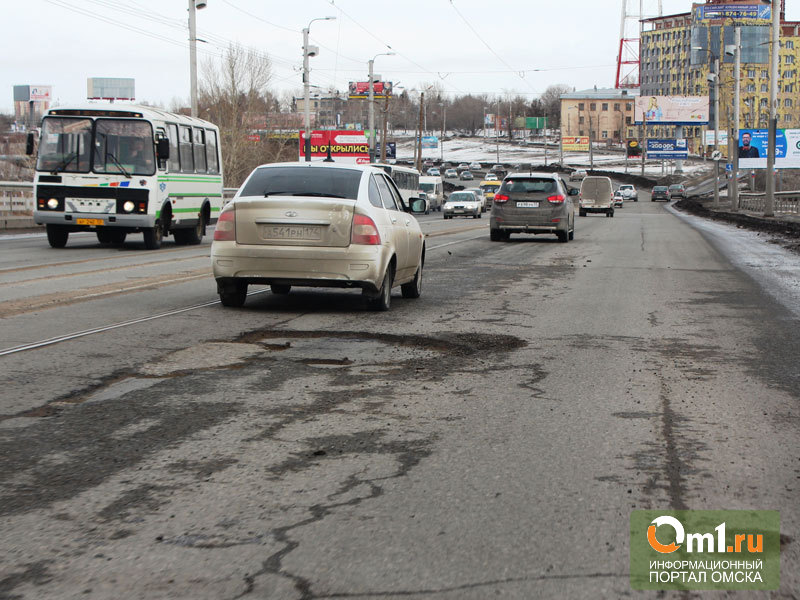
(529, 186)
(304, 181)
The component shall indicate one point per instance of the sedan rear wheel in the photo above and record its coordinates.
(383, 301)
(413, 289)
(234, 294)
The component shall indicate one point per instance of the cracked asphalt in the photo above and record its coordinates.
(487, 440)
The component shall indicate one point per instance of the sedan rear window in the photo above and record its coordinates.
(304, 181)
(529, 186)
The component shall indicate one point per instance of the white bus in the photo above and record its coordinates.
(117, 169)
(407, 180)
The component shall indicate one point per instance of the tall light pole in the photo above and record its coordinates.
(497, 131)
(769, 199)
(193, 6)
(444, 129)
(371, 108)
(734, 133)
(308, 52)
(715, 79)
(485, 133)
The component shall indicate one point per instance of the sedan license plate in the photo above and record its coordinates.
(294, 232)
(90, 221)
(527, 205)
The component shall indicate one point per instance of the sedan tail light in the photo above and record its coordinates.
(225, 230)
(365, 231)
(557, 199)
(500, 198)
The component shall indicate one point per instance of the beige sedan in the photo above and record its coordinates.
(319, 225)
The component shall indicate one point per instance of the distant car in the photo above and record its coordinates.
(308, 224)
(451, 173)
(466, 175)
(479, 193)
(475, 166)
(462, 167)
(490, 177)
(629, 192)
(577, 175)
(465, 203)
(498, 170)
(533, 203)
(428, 163)
(434, 172)
(618, 199)
(660, 192)
(424, 196)
(677, 190)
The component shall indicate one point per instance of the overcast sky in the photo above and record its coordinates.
(531, 43)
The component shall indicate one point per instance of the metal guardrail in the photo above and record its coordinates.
(785, 202)
(16, 197)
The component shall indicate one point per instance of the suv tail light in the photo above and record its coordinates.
(557, 199)
(225, 230)
(364, 231)
(500, 198)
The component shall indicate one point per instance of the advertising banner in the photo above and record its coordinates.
(722, 138)
(359, 90)
(672, 110)
(430, 141)
(391, 149)
(575, 144)
(750, 12)
(753, 145)
(41, 93)
(349, 147)
(669, 149)
(535, 122)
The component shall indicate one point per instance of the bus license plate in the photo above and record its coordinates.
(278, 232)
(527, 205)
(90, 221)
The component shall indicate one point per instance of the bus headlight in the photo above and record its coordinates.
(52, 203)
(128, 206)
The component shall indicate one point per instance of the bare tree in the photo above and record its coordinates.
(234, 96)
(551, 101)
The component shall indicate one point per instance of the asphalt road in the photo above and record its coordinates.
(489, 439)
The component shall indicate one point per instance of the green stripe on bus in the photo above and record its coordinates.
(195, 195)
(203, 179)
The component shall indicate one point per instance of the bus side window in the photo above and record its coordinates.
(161, 134)
(211, 151)
(174, 154)
(187, 161)
(199, 150)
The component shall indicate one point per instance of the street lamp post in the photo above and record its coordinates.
(308, 52)
(734, 133)
(715, 79)
(444, 130)
(193, 6)
(769, 199)
(497, 131)
(371, 108)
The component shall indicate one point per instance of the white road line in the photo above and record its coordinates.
(80, 334)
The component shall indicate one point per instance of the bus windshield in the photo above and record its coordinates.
(124, 146)
(64, 145)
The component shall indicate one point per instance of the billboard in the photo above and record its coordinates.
(535, 122)
(753, 145)
(672, 110)
(349, 147)
(33, 93)
(391, 149)
(751, 12)
(359, 90)
(111, 88)
(722, 137)
(430, 141)
(669, 149)
(575, 144)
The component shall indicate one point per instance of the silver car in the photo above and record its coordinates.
(533, 203)
(464, 203)
(318, 225)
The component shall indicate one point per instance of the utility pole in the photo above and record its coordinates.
(734, 157)
(371, 113)
(769, 200)
(383, 135)
(716, 130)
(193, 4)
(444, 129)
(644, 137)
(545, 138)
(497, 131)
(591, 150)
(419, 137)
(306, 99)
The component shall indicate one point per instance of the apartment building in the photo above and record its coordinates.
(602, 114)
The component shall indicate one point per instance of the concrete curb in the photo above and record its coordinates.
(18, 222)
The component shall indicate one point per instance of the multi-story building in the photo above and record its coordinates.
(602, 114)
(678, 53)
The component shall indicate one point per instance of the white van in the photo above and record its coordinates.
(597, 195)
(434, 187)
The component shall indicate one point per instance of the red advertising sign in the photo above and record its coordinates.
(359, 90)
(254, 137)
(345, 146)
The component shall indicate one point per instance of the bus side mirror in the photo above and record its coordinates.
(573, 191)
(162, 149)
(29, 144)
